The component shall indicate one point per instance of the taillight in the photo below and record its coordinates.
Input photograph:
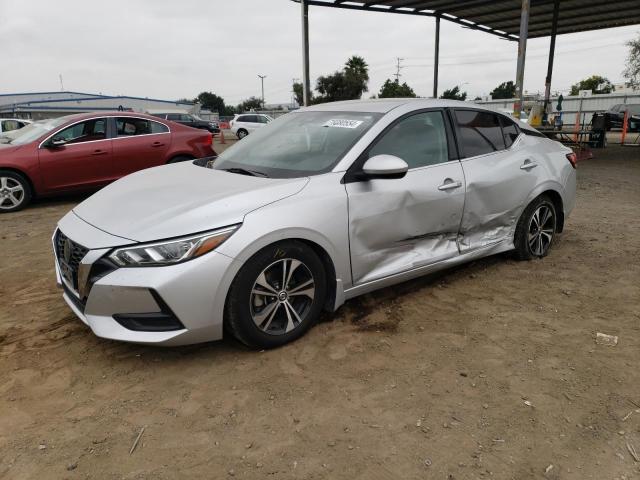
(573, 159)
(208, 140)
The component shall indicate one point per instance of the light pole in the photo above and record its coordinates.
(262, 77)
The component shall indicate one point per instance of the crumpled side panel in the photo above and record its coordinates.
(396, 225)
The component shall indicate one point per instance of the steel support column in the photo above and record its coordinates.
(552, 51)
(436, 60)
(306, 84)
(522, 53)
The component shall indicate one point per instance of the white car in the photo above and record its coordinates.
(243, 124)
(10, 124)
(324, 204)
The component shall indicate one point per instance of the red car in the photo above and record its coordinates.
(87, 151)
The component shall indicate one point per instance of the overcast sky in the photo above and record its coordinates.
(172, 49)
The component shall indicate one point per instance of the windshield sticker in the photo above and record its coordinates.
(341, 123)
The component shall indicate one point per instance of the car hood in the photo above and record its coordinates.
(180, 199)
(8, 149)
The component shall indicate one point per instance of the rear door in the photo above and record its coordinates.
(85, 160)
(139, 143)
(396, 225)
(500, 173)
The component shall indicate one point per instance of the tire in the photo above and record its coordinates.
(242, 133)
(180, 158)
(536, 230)
(15, 191)
(280, 315)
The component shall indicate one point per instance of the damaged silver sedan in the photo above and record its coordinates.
(320, 206)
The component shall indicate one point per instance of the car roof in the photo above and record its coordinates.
(385, 105)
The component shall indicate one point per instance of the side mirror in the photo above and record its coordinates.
(56, 143)
(384, 166)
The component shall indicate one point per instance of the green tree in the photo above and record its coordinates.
(595, 83)
(393, 89)
(331, 88)
(213, 102)
(251, 103)
(298, 91)
(454, 94)
(348, 84)
(504, 90)
(632, 70)
(356, 73)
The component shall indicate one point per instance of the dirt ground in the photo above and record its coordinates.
(487, 371)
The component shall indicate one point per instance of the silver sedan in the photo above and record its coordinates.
(317, 207)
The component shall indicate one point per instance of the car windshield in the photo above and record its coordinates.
(297, 144)
(36, 130)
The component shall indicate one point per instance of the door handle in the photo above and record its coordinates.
(528, 164)
(449, 184)
(157, 144)
(99, 152)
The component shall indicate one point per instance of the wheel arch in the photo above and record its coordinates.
(554, 191)
(24, 175)
(556, 199)
(335, 289)
(329, 268)
(173, 156)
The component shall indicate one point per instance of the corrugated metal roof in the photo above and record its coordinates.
(502, 17)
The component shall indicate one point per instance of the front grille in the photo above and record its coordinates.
(69, 254)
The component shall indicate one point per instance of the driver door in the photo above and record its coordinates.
(396, 225)
(84, 161)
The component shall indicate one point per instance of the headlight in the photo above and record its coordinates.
(170, 252)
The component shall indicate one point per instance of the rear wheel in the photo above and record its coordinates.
(277, 295)
(242, 133)
(15, 191)
(536, 229)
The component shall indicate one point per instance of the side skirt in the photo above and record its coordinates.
(352, 292)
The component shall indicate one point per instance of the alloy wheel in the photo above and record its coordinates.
(541, 229)
(282, 296)
(11, 193)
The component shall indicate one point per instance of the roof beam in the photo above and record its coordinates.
(586, 26)
(366, 8)
(547, 20)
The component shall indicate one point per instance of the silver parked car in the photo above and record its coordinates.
(319, 206)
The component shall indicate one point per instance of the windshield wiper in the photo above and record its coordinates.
(244, 171)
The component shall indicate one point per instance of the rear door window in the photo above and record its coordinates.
(173, 116)
(480, 132)
(510, 131)
(129, 126)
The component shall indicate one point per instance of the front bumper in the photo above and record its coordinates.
(193, 292)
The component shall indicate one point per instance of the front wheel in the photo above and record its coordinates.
(536, 229)
(15, 192)
(277, 295)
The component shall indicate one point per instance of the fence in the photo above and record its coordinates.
(572, 105)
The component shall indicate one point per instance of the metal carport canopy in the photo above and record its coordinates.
(514, 20)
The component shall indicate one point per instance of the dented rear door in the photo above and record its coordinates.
(397, 225)
(500, 173)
